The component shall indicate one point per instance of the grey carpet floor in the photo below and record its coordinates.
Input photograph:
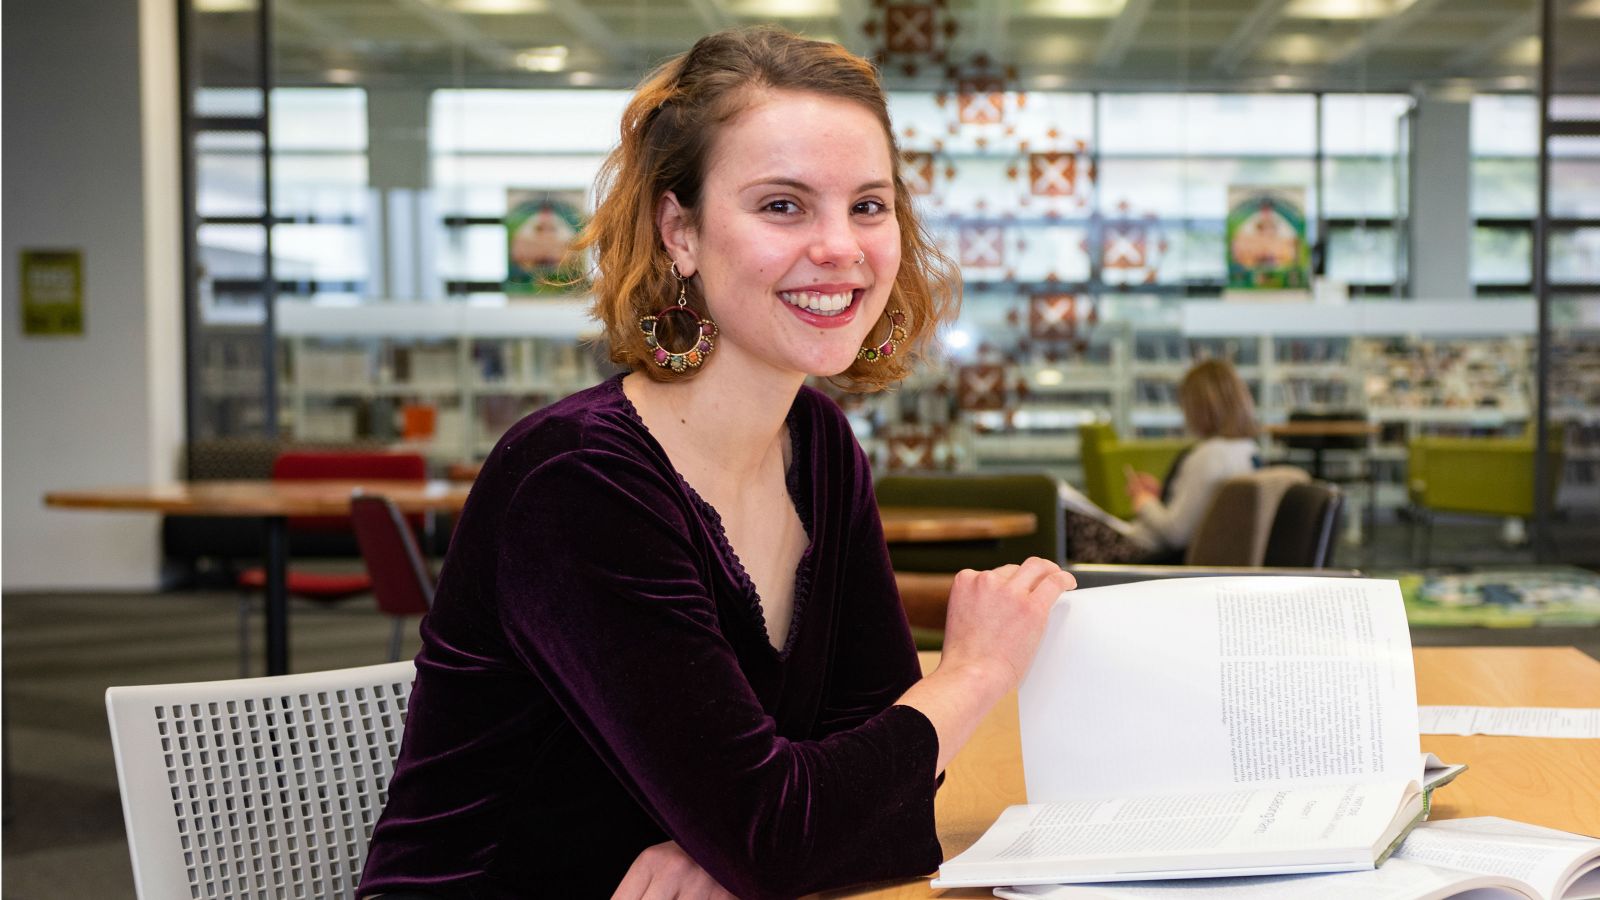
(63, 834)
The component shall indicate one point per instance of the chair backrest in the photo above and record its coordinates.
(346, 466)
(1486, 475)
(1033, 492)
(257, 788)
(401, 582)
(1234, 530)
(1304, 526)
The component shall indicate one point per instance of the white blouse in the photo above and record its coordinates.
(1171, 525)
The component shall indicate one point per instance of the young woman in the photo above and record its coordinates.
(666, 658)
(1218, 410)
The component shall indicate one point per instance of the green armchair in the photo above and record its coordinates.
(1490, 476)
(1103, 456)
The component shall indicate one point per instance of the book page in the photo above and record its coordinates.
(1511, 721)
(1079, 502)
(1396, 880)
(1195, 684)
(1544, 857)
(1320, 829)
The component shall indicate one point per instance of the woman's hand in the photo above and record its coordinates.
(996, 618)
(1142, 486)
(991, 632)
(665, 872)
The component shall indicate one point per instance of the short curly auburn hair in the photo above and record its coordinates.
(667, 134)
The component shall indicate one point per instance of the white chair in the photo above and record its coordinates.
(257, 787)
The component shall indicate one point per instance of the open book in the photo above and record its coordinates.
(1211, 727)
(1492, 858)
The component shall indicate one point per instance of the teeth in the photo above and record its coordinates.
(821, 304)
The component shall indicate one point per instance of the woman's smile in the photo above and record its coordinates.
(826, 306)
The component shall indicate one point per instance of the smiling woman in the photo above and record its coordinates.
(666, 657)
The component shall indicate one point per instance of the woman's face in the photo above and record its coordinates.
(796, 245)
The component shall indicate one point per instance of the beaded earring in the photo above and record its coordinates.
(703, 345)
(897, 333)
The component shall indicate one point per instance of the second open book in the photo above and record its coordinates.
(1211, 727)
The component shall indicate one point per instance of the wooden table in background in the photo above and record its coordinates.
(1332, 428)
(1545, 781)
(272, 501)
(922, 524)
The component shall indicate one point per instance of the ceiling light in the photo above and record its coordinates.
(1076, 9)
(1048, 377)
(1296, 48)
(1514, 83)
(1524, 52)
(788, 9)
(582, 79)
(500, 7)
(1342, 9)
(222, 6)
(543, 59)
(342, 76)
(1284, 82)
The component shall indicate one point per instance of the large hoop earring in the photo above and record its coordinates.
(679, 361)
(897, 333)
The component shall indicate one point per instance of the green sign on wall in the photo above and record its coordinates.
(52, 292)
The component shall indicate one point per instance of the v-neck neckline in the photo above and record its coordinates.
(797, 481)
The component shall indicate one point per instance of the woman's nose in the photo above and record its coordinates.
(835, 243)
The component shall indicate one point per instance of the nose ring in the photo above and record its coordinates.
(861, 259)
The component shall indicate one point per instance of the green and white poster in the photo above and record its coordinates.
(52, 292)
(1267, 246)
(540, 229)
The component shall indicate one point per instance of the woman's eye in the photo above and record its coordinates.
(782, 206)
(871, 207)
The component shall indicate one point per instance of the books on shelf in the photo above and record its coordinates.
(1211, 727)
(1485, 858)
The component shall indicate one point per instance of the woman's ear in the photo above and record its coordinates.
(679, 237)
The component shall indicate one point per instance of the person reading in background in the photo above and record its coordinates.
(1218, 410)
(667, 657)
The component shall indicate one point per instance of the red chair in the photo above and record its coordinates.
(401, 581)
(325, 586)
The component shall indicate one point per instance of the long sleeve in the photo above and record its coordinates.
(1172, 525)
(602, 594)
(877, 658)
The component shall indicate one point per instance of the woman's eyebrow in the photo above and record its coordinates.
(801, 186)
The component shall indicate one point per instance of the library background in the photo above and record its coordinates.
(245, 226)
(1078, 158)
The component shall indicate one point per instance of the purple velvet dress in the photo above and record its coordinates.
(595, 677)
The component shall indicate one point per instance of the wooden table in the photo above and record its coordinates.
(272, 501)
(1545, 781)
(1332, 428)
(919, 524)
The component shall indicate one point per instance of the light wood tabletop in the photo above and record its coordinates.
(1545, 781)
(263, 497)
(916, 524)
(1332, 428)
(273, 501)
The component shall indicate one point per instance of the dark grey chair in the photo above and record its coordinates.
(1304, 526)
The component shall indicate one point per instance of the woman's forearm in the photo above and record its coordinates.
(955, 699)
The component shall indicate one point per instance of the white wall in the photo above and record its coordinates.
(91, 162)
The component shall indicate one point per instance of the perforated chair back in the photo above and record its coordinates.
(1304, 526)
(256, 788)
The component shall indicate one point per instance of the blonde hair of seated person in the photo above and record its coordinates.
(1216, 402)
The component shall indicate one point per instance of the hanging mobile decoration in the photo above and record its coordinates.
(1132, 249)
(910, 35)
